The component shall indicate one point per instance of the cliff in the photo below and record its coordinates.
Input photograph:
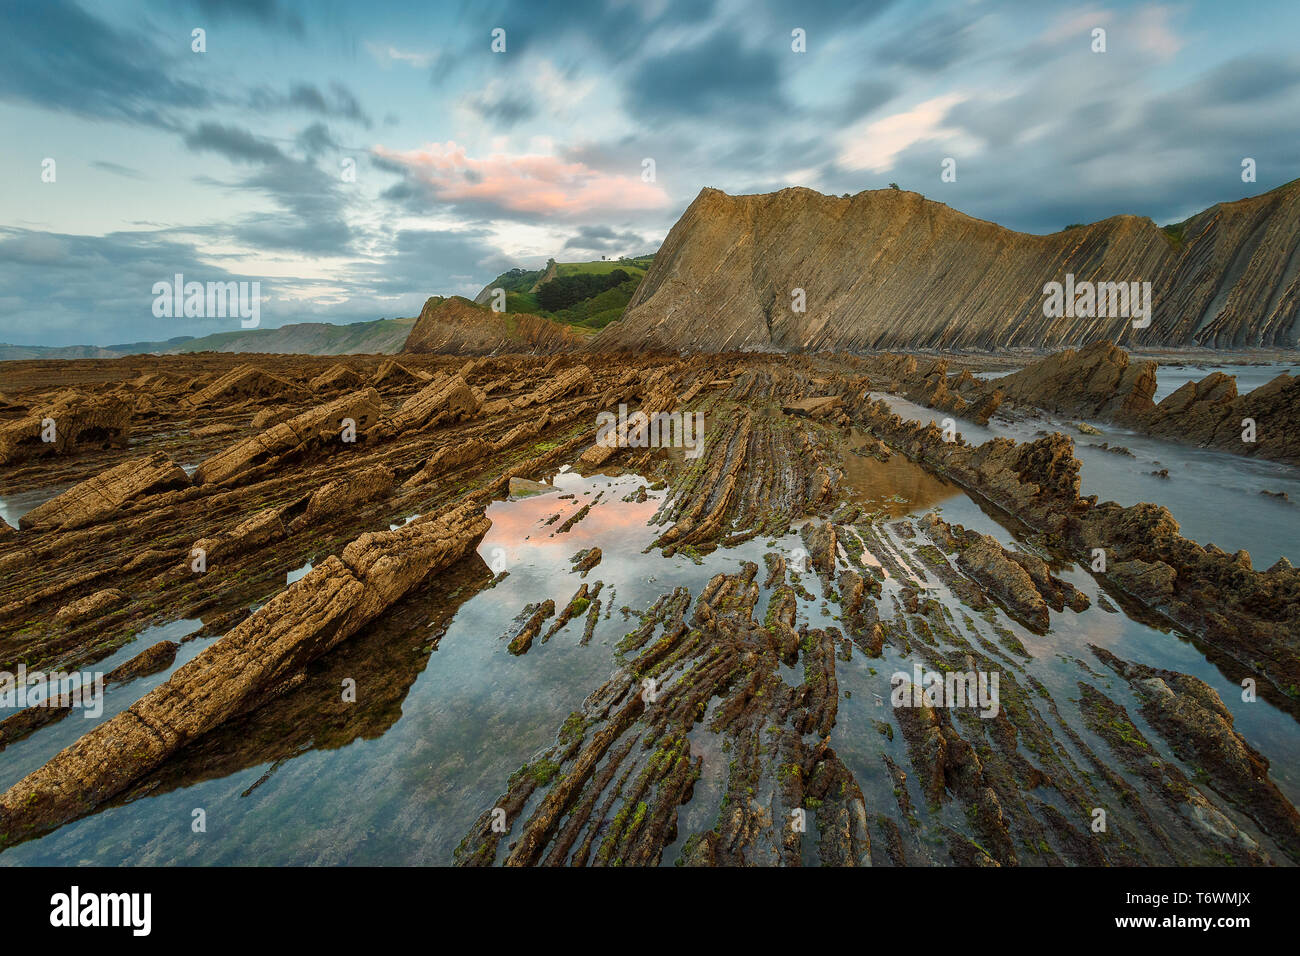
(457, 326)
(890, 269)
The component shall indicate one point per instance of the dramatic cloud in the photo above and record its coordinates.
(506, 107)
(237, 145)
(57, 56)
(714, 76)
(510, 184)
(338, 103)
(602, 239)
(359, 158)
(876, 145)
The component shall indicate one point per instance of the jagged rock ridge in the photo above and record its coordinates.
(457, 326)
(892, 269)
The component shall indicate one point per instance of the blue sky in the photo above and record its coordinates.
(231, 163)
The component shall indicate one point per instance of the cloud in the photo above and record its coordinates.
(931, 45)
(1045, 132)
(57, 56)
(316, 139)
(529, 184)
(716, 75)
(618, 29)
(421, 262)
(97, 290)
(1155, 35)
(502, 105)
(605, 239)
(339, 103)
(118, 170)
(1075, 26)
(865, 97)
(1072, 143)
(76, 290)
(236, 144)
(265, 13)
(310, 204)
(875, 146)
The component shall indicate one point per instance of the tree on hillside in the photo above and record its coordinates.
(564, 291)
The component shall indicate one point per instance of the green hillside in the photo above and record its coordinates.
(590, 305)
(380, 336)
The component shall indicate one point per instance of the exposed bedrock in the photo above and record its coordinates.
(608, 792)
(242, 383)
(335, 599)
(1100, 381)
(325, 426)
(1021, 581)
(444, 400)
(748, 716)
(101, 496)
(393, 376)
(891, 269)
(1191, 716)
(456, 326)
(71, 422)
(928, 383)
(336, 378)
(1252, 615)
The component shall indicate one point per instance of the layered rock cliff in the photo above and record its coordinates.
(892, 269)
(457, 326)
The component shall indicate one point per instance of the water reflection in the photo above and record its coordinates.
(895, 487)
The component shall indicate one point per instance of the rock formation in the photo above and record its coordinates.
(72, 422)
(317, 428)
(1101, 382)
(892, 269)
(329, 605)
(104, 494)
(457, 326)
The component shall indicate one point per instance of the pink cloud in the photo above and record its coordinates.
(524, 183)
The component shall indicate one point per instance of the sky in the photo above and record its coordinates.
(356, 158)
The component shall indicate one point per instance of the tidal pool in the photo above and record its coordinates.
(1217, 498)
(443, 714)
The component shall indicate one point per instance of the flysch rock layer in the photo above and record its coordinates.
(610, 787)
(891, 269)
(72, 422)
(1102, 382)
(316, 428)
(457, 326)
(242, 669)
(104, 494)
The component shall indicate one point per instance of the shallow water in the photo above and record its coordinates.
(14, 506)
(1215, 497)
(896, 487)
(1169, 378)
(448, 720)
(21, 758)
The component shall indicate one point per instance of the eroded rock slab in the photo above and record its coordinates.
(241, 670)
(100, 497)
(322, 427)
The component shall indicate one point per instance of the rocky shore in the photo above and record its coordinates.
(721, 733)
